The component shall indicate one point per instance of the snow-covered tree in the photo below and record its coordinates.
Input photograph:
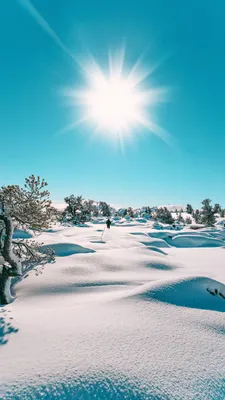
(95, 211)
(130, 212)
(105, 209)
(180, 217)
(189, 209)
(222, 213)
(188, 221)
(217, 208)
(75, 210)
(164, 215)
(207, 214)
(24, 208)
(88, 209)
(197, 216)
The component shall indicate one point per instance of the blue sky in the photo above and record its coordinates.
(187, 36)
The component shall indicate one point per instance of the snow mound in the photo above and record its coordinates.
(168, 234)
(162, 235)
(218, 235)
(141, 220)
(20, 234)
(83, 226)
(196, 241)
(66, 249)
(193, 292)
(160, 243)
(153, 248)
(188, 239)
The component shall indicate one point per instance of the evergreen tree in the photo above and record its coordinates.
(78, 210)
(180, 217)
(125, 212)
(188, 221)
(208, 217)
(148, 210)
(197, 216)
(164, 215)
(88, 209)
(130, 212)
(217, 208)
(25, 208)
(95, 211)
(189, 209)
(105, 209)
(222, 213)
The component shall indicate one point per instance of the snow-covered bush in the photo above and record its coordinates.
(130, 212)
(188, 221)
(164, 215)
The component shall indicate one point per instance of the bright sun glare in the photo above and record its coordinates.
(115, 101)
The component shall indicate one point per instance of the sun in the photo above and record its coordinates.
(114, 104)
(117, 101)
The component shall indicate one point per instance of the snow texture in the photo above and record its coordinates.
(135, 314)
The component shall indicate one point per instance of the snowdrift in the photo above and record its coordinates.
(20, 234)
(196, 241)
(158, 250)
(188, 239)
(66, 249)
(156, 243)
(193, 292)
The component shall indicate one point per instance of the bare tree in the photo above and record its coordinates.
(24, 208)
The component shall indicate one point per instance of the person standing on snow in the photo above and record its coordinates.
(108, 223)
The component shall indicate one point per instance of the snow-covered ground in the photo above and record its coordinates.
(138, 315)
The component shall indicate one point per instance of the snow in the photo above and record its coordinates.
(66, 249)
(20, 234)
(190, 292)
(174, 207)
(196, 241)
(136, 315)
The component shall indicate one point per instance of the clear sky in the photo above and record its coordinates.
(186, 38)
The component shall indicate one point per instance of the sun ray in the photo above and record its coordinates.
(35, 14)
(156, 130)
(70, 127)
